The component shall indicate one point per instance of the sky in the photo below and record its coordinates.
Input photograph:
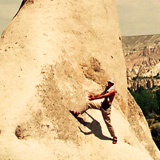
(139, 17)
(8, 8)
(136, 17)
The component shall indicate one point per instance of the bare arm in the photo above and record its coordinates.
(100, 96)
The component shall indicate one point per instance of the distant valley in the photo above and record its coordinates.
(142, 54)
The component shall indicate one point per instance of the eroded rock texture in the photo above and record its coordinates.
(53, 54)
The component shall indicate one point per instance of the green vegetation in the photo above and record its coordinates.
(149, 102)
(158, 96)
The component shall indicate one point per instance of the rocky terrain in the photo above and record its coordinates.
(52, 55)
(142, 54)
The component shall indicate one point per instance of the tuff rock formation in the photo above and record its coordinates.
(52, 54)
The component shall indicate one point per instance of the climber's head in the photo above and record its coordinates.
(110, 82)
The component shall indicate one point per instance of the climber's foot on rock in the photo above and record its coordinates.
(75, 114)
(114, 140)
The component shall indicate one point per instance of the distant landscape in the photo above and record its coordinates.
(142, 54)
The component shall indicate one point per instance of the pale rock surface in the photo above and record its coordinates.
(52, 54)
(155, 70)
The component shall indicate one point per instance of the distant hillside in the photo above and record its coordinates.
(142, 54)
(133, 44)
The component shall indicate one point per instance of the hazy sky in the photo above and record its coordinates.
(139, 17)
(8, 9)
(136, 17)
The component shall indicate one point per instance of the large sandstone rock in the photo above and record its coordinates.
(52, 54)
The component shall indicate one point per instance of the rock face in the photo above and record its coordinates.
(52, 55)
(142, 54)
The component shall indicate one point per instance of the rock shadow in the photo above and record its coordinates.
(94, 127)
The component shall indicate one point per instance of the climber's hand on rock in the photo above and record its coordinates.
(91, 97)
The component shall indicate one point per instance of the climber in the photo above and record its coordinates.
(104, 106)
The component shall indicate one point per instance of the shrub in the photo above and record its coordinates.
(147, 100)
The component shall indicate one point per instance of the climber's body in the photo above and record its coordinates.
(108, 97)
(104, 106)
